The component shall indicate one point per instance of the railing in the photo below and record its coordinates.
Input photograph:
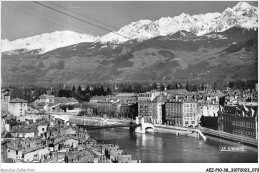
(230, 136)
(107, 126)
(63, 113)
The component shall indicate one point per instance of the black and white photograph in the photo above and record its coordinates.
(90, 82)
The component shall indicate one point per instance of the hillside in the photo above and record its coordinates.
(227, 55)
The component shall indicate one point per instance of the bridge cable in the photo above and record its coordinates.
(85, 16)
(30, 14)
(80, 19)
(83, 29)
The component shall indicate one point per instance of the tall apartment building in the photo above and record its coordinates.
(240, 120)
(173, 113)
(190, 116)
(150, 106)
(18, 107)
(181, 113)
(158, 109)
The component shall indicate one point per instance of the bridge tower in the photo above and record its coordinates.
(143, 126)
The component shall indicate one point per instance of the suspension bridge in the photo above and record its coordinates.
(139, 125)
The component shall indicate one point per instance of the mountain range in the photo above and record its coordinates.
(212, 46)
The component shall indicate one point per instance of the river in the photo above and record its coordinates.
(169, 148)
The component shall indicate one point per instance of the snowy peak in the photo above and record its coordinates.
(47, 42)
(140, 30)
(242, 15)
(242, 6)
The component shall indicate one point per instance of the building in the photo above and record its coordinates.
(83, 156)
(95, 99)
(5, 99)
(181, 113)
(14, 150)
(50, 103)
(42, 128)
(35, 153)
(129, 109)
(146, 107)
(46, 98)
(158, 109)
(177, 94)
(25, 150)
(130, 98)
(65, 101)
(174, 113)
(18, 107)
(207, 109)
(190, 117)
(208, 114)
(149, 96)
(24, 131)
(43, 107)
(122, 104)
(240, 120)
(33, 110)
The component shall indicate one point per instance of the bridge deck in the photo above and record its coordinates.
(106, 126)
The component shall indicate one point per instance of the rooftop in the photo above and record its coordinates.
(64, 100)
(5, 89)
(44, 96)
(31, 149)
(15, 145)
(160, 98)
(17, 100)
(24, 128)
(126, 94)
(178, 92)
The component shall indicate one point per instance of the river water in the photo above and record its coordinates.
(169, 148)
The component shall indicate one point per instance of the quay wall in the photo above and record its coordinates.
(223, 142)
(174, 130)
(188, 132)
(170, 130)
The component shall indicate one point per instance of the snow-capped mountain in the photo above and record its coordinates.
(47, 42)
(242, 15)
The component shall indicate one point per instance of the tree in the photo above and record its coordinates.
(79, 89)
(162, 87)
(129, 89)
(215, 87)
(63, 107)
(176, 85)
(73, 88)
(154, 86)
(231, 84)
(202, 87)
(138, 88)
(108, 91)
(71, 107)
(88, 89)
(187, 86)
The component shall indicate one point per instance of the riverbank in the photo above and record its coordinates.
(191, 132)
(175, 130)
(225, 143)
(169, 148)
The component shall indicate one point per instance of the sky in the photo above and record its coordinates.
(21, 19)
